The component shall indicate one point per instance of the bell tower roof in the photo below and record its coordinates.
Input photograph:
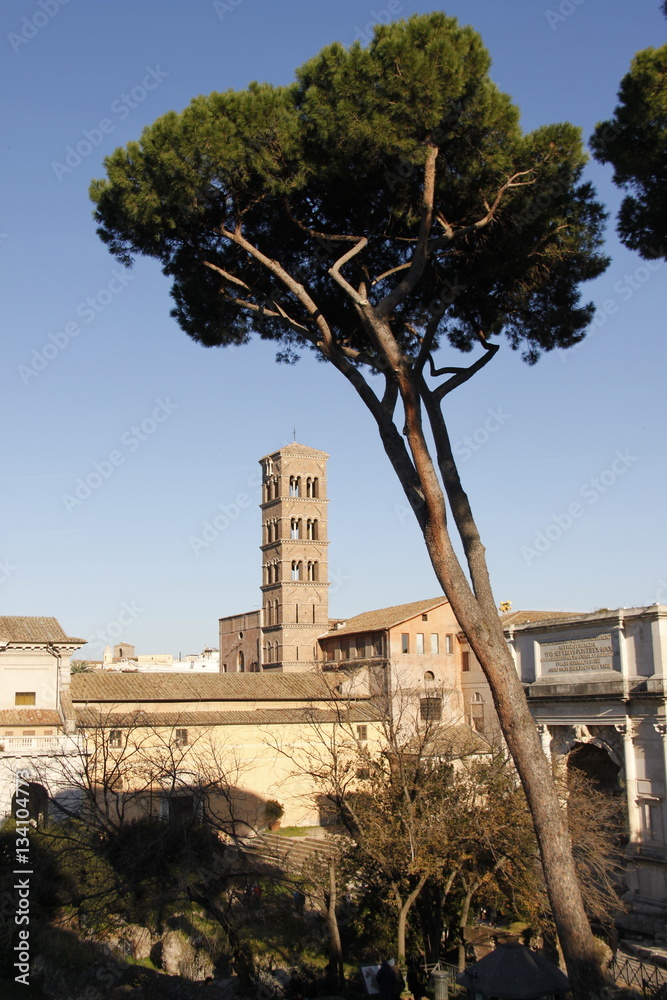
(296, 450)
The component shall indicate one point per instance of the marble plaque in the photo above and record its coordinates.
(593, 653)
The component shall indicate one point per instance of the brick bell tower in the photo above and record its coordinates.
(295, 601)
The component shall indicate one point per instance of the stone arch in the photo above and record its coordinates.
(594, 759)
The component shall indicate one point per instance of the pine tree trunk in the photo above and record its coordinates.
(475, 610)
(335, 947)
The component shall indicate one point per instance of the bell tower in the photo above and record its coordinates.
(295, 605)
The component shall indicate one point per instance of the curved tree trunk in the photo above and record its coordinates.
(475, 609)
(463, 923)
(335, 948)
(403, 911)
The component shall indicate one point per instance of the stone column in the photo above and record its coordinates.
(545, 739)
(661, 730)
(626, 729)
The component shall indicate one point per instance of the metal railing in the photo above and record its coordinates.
(638, 975)
(451, 972)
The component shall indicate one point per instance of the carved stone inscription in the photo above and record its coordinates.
(594, 653)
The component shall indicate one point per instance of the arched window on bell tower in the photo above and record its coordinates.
(311, 529)
(312, 487)
(295, 486)
(295, 528)
(296, 569)
(312, 571)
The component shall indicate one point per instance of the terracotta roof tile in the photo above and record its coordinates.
(22, 629)
(108, 686)
(29, 717)
(296, 450)
(384, 618)
(526, 617)
(258, 717)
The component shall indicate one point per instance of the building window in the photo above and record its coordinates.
(477, 712)
(435, 643)
(240, 663)
(330, 653)
(649, 820)
(430, 709)
(449, 644)
(360, 646)
(181, 739)
(276, 612)
(465, 660)
(296, 528)
(377, 646)
(311, 529)
(24, 698)
(312, 571)
(362, 733)
(312, 487)
(115, 738)
(296, 570)
(429, 677)
(420, 642)
(424, 618)
(405, 643)
(295, 486)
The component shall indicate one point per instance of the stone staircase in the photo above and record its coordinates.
(289, 854)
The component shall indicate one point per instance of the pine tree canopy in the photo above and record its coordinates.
(402, 157)
(634, 141)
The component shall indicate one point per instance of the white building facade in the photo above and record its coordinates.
(36, 718)
(596, 687)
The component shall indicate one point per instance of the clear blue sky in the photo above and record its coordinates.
(582, 428)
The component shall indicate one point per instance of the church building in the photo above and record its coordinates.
(283, 635)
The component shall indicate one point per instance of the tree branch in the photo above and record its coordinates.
(294, 286)
(334, 271)
(420, 255)
(461, 375)
(452, 234)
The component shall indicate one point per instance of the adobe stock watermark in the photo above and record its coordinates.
(565, 9)
(87, 311)
(384, 16)
(120, 108)
(591, 491)
(130, 441)
(226, 514)
(337, 580)
(466, 447)
(7, 569)
(222, 7)
(31, 25)
(23, 871)
(624, 289)
(128, 613)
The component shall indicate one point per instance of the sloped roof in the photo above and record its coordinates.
(513, 970)
(384, 618)
(258, 717)
(35, 629)
(297, 450)
(29, 717)
(115, 687)
(527, 617)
